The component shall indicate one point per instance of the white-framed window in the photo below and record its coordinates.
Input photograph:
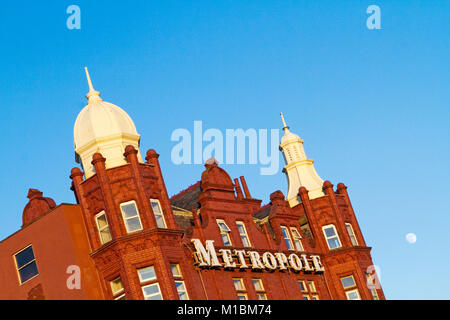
(259, 288)
(179, 283)
(159, 214)
(297, 239)
(351, 233)
(117, 289)
(150, 286)
(353, 294)
(224, 232)
(26, 264)
(287, 238)
(241, 291)
(103, 227)
(243, 234)
(331, 236)
(349, 285)
(308, 289)
(131, 216)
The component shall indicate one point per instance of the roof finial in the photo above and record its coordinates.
(284, 122)
(92, 95)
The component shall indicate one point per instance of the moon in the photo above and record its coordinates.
(411, 238)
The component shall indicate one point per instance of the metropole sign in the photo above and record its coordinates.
(207, 257)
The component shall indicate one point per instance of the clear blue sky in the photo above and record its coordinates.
(371, 105)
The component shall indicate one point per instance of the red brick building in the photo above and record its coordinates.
(125, 238)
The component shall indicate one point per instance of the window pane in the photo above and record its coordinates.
(183, 296)
(261, 296)
(334, 243)
(241, 228)
(116, 285)
(226, 240)
(160, 222)
(245, 241)
(312, 286)
(147, 274)
(105, 235)
(24, 257)
(223, 227)
(156, 208)
(28, 272)
(353, 295)
(133, 224)
(257, 283)
(302, 286)
(175, 270)
(101, 221)
(348, 282)
(151, 289)
(329, 232)
(238, 284)
(242, 296)
(129, 210)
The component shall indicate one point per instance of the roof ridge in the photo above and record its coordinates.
(183, 192)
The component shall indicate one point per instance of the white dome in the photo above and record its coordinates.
(105, 128)
(101, 119)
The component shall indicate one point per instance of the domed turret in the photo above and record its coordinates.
(299, 169)
(105, 128)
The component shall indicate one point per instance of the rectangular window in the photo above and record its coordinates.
(26, 264)
(331, 236)
(159, 214)
(351, 233)
(131, 217)
(259, 288)
(287, 238)
(348, 282)
(240, 288)
(179, 283)
(308, 289)
(353, 294)
(243, 233)
(117, 289)
(297, 239)
(103, 227)
(312, 286)
(224, 232)
(372, 286)
(150, 289)
(351, 291)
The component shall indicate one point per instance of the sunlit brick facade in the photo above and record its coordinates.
(213, 240)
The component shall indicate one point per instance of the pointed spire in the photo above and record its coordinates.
(92, 95)
(285, 127)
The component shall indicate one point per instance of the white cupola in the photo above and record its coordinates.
(299, 170)
(105, 128)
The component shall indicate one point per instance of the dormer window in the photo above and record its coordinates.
(224, 232)
(159, 214)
